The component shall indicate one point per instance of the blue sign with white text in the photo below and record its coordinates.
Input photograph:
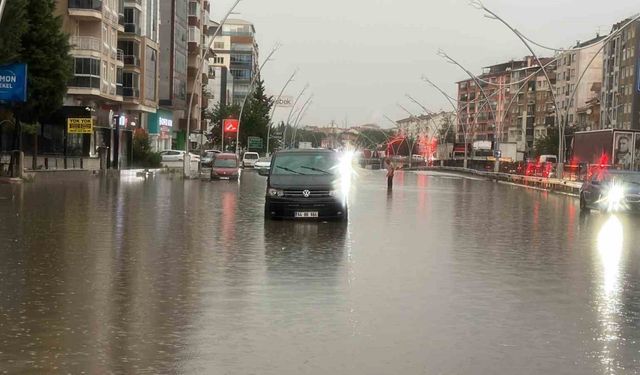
(13, 82)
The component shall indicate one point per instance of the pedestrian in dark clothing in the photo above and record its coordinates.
(390, 173)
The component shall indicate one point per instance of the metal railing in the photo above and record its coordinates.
(86, 43)
(120, 55)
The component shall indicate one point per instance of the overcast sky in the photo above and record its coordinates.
(360, 57)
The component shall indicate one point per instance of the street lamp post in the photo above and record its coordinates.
(284, 133)
(2, 4)
(492, 15)
(244, 102)
(493, 113)
(273, 109)
(298, 118)
(187, 156)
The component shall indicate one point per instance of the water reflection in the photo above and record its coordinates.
(610, 249)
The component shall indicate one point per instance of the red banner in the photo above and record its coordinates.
(230, 125)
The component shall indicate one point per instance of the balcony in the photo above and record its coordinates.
(85, 43)
(120, 55)
(132, 28)
(87, 10)
(130, 92)
(131, 61)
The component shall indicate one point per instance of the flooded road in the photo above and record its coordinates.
(446, 275)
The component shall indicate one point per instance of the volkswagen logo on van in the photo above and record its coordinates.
(306, 193)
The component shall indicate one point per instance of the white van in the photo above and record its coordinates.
(548, 159)
(249, 159)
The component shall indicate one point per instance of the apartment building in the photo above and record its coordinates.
(172, 85)
(532, 106)
(584, 60)
(198, 23)
(140, 45)
(221, 80)
(480, 117)
(114, 44)
(620, 100)
(242, 52)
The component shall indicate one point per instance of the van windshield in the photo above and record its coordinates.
(250, 156)
(225, 163)
(306, 164)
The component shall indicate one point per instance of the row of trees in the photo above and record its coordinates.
(255, 117)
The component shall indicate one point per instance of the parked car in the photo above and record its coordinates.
(176, 155)
(207, 158)
(225, 167)
(306, 184)
(249, 159)
(262, 165)
(611, 190)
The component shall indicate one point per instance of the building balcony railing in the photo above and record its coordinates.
(87, 43)
(130, 92)
(86, 4)
(119, 90)
(91, 82)
(131, 60)
(120, 55)
(131, 28)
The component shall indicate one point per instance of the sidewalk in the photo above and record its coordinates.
(566, 187)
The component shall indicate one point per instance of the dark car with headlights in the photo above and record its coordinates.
(307, 184)
(611, 190)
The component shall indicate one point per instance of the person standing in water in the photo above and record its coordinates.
(390, 174)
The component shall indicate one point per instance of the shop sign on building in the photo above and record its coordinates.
(80, 125)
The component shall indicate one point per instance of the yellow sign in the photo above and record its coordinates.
(80, 126)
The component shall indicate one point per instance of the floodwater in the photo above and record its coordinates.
(446, 275)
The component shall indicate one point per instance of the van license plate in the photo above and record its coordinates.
(307, 214)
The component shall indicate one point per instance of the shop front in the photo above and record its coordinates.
(161, 130)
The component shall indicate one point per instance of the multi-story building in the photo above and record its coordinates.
(425, 125)
(480, 117)
(198, 21)
(140, 45)
(620, 101)
(518, 105)
(173, 74)
(220, 78)
(532, 107)
(96, 85)
(585, 58)
(239, 37)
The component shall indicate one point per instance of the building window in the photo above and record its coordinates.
(218, 45)
(218, 60)
(242, 74)
(131, 84)
(181, 63)
(86, 73)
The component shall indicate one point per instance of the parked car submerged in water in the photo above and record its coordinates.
(249, 159)
(225, 167)
(611, 191)
(306, 184)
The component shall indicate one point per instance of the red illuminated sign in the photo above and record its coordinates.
(230, 125)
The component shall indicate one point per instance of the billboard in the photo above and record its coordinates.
(623, 150)
(13, 82)
(80, 125)
(230, 125)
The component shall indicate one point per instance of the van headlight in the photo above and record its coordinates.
(334, 193)
(615, 195)
(275, 192)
